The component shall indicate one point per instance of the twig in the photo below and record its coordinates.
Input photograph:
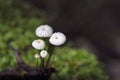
(17, 54)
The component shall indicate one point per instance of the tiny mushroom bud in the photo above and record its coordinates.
(44, 31)
(38, 44)
(43, 53)
(57, 39)
(37, 56)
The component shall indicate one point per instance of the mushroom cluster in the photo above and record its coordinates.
(46, 42)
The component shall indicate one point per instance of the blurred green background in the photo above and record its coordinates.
(17, 26)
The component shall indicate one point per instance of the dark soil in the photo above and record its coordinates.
(24, 72)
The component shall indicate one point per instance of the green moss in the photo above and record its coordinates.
(74, 64)
(17, 25)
